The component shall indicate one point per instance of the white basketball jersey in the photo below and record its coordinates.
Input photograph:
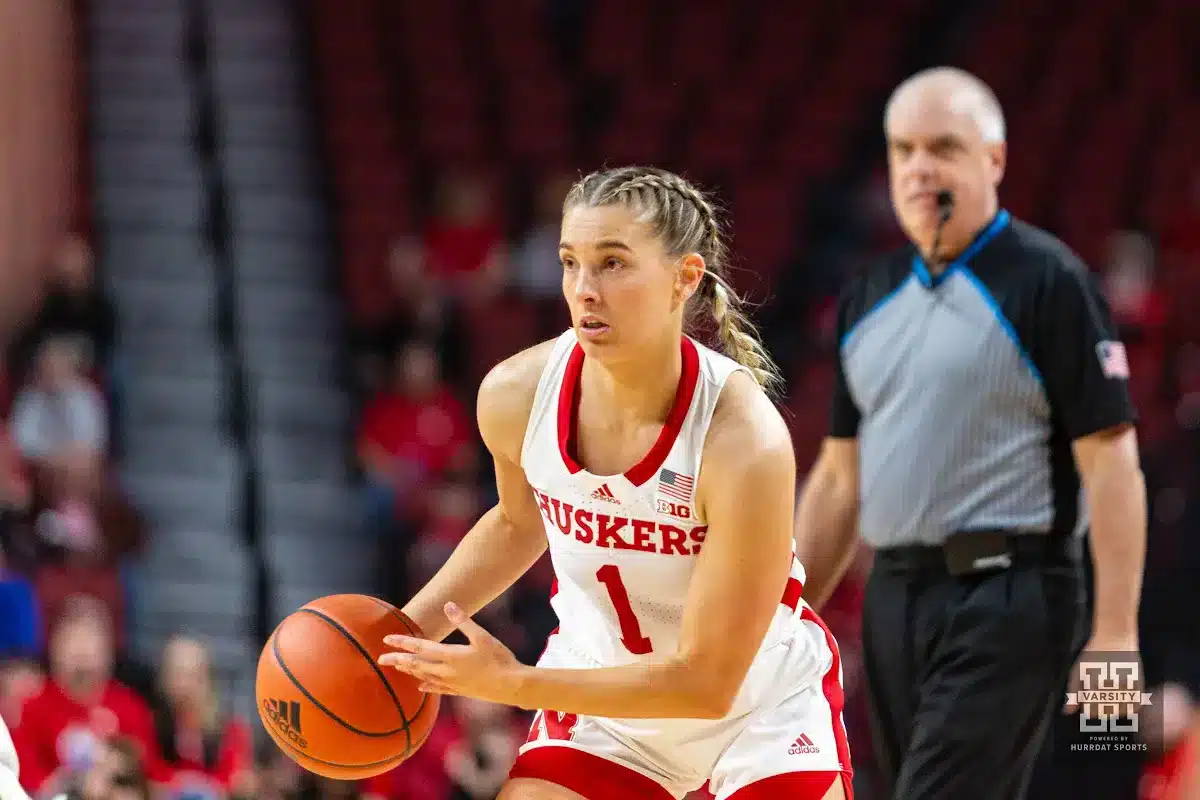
(623, 546)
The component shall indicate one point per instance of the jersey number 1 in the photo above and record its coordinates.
(631, 632)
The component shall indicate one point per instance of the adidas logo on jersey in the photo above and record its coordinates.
(803, 746)
(605, 494)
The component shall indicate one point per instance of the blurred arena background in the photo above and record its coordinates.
(256, 255)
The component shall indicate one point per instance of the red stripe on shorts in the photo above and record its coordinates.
(587, 774)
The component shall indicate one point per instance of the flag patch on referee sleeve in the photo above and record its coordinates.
(1114, 362)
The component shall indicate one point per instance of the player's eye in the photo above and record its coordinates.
(567, 262)
(613, 263)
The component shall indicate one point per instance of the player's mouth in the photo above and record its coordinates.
(592, 327)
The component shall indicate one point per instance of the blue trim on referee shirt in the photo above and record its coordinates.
(1005, 324)
(998, 223)
(921, 273)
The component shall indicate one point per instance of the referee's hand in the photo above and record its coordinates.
(1124, 645)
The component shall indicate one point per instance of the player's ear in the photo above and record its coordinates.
(690, 274)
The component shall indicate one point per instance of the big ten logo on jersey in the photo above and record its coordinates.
(620, 533)
(285, 716)
(672, 509)
(553, 726)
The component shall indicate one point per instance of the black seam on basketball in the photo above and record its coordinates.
(287, 746)
(383, 679)
(403, 621)
(320, 707)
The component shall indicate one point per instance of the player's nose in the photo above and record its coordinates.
(587, 286)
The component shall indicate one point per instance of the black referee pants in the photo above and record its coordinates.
(965, 673)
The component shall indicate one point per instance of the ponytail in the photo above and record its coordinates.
(739, 336)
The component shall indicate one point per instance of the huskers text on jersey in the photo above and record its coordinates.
(616, 532)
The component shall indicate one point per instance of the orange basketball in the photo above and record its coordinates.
(326, 701)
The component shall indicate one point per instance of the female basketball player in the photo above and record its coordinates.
(664, 479)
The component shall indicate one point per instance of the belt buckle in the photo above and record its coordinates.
(971, 552)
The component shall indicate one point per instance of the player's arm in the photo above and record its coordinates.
(746, 493)
(509, 538)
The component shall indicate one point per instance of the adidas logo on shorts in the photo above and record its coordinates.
(803, 746)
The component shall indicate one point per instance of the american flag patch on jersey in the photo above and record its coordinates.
(1113, 360)
(675, 486)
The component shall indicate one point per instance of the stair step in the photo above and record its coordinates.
(176, 399)
(173, 355)
(278, 212)
(145, 162)
(264, 123)
(175, 449)
(251, 168)
(179, 206)
(300, 458)
(154, 253)
(159, 305)
(156, 22)
(155, 117)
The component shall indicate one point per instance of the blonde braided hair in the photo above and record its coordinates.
(690, 226)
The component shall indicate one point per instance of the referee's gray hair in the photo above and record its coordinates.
(685, 221)
(970, 95)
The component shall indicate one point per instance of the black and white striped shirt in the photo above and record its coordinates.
(966, 389)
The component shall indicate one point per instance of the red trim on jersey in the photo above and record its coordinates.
(586, 774)
(794, 786)
(568, 409)
(792, 593)
(647, 468)
(831, 685)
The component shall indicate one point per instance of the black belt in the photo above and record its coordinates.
(974, 552)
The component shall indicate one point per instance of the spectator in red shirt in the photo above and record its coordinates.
(62, 728)
(410, 433)
(206, 753)
(464, 241)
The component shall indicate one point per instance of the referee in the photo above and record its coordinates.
(978, 389)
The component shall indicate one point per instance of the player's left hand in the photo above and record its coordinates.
(483, 668)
